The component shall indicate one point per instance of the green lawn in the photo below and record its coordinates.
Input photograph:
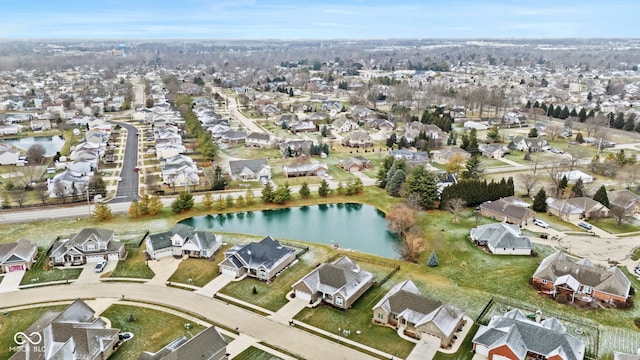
(358, 318)
(253, 353)
(610, 225)
(134, 266)
(20, 320)
(200, 271)
(41, 273)
(152, 329)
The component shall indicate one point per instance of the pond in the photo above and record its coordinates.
(349, 226)
(52, 144)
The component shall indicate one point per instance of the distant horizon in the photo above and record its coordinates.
(263, 20)
(125, 40)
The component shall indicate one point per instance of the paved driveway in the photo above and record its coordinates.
(215, 285)
(11, 281)
(89, 274)
(425, 349)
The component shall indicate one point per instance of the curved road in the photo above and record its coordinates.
(282, 336)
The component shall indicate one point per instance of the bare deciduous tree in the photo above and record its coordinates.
(456, 205)
(411, 245)
(400, 218)
(629, 175)
(528, 179)
(553, 131)
(620, 214)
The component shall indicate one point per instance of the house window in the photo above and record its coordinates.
(339, 301)
(395, 316)
(586, 289)
(91, 247)
(380, 316)
(544, 281)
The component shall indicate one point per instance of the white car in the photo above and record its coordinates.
(100, 266)
(541, 223)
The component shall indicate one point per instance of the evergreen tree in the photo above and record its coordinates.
(601, 196)
(573, 113)
(493, 134)
(424, 184)
(323, 190)
(387, 162)
(324, 131)
(304, 191)
(473, 168)
(564, 182)
(618, 123)
(433, 259)
(282, 194)
(578, 189)
(540, 201)
(630, 123)
(528, 106)
(392, 140)
(183, 202)
(207, 201)
(533, 133)
(579, 138)
(589, 96)
(249, 197)
(219, 180)
(340, 188)
(267, 193)
(582, 115)
(453, 138)
(395, 183)
(102, 211)
(228, 200)
(134, 209)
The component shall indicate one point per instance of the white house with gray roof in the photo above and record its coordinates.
(406, 309)
(249, 170)
(339, 283)
(502, 239)
(514, 336)
(90, 245)
(17, 256)
(74, 333)
(183, 240)
(262, 260)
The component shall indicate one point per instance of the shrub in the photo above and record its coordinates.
(562, 299)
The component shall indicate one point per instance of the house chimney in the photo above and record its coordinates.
(538, 316)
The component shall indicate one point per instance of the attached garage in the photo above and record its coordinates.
(93, 258)
(303, 295)
(12, 268)
(229, 271)
(113, 256)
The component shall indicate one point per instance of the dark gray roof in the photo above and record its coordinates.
(501, 235)
(259, 136)
(508, 209)
(521, 335)
(84, 234)
(20, 250)
(268, 253)
(207, 345)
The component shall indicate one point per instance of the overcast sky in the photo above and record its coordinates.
(319, 19)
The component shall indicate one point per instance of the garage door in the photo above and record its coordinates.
(113, 256)
(94, 259)
(228, 271)
(500, 357)
(16, 267)
(303, 295)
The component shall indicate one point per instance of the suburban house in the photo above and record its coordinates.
(358, 139)
(207, 345)
(514, 336)
(493, 151)
(624, 356)
(501, 239)
(17, 256)
(405, 308)
(528, 144)
(445, 154)
(247, 170)
(262, 260)
(90, 245)
(339, 283)
(183, 240)
(573, 176)
(40, 124)
(354, 164)
(74, 333)
(411, 157)
(432, 132)
(581, 280)
(180, 170)
(231, 136)
(576, 208)
(8, 156)
(295, 147)
(511, 210)
(310, 169)
(624, 199)
(343, 124)
(261, 140)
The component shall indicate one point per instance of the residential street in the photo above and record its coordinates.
(270, 331)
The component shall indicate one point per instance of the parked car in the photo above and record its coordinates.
(541, 223)
(636, 270)
(125, 336)
(585, 226)
(100, 266)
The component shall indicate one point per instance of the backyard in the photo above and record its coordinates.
(152, 329)
(20, 320)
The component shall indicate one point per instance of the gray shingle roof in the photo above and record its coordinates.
(501, 235)
(202, 239)
(342, 276)
(236, 166)
(267, 253)
(521, 335)
(207, 345)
